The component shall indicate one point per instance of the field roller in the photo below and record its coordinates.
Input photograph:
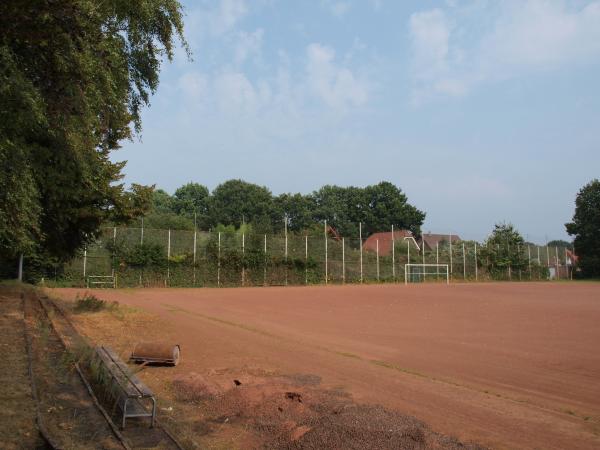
(156, 353)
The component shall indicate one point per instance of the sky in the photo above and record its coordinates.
(481, 111)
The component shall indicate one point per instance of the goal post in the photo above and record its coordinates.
(419, 272)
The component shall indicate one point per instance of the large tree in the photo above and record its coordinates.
(377, 207)
(74, 75)
(504, 251)
(236, 201)
(191, 200)
(586, 228)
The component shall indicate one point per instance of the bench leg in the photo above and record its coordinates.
(153, 412)
(124, 413)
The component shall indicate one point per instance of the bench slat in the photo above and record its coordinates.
(129, 382)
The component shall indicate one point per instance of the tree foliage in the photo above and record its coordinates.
(504, 250)
(235, 202)
(74, 75)
(586, 228)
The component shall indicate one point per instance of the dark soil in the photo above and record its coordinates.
(17, 410)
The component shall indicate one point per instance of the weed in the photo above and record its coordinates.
(91, 303)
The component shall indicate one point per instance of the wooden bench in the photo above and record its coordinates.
(132, 395)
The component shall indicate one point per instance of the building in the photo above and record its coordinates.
(385, 240)
(432, 240)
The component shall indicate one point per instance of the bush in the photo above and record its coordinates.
(91, 303)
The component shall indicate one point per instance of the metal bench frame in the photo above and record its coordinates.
(133, 390)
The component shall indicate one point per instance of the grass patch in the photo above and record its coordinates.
(89, 303)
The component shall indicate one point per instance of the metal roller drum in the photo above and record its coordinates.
(156, 353)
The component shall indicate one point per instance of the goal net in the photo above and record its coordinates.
(418, 273)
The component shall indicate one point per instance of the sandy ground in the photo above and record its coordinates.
(508, 365)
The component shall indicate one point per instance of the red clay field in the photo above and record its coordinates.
(505, 365)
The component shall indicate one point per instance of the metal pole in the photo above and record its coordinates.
(393, 255)
(306, 259)
(168, 255)
(265, 265)
(548, 256)
(219, 262)
(557, 264)
(476, 269)
(343, 261)
(195, 238)
(285, 219)
(377, 250)
(142, 233)
(451, 268)
(361, 250)
(20, 269)
(84, 261)
(529, 259)
(326, 252)
(437, 252)
(243, 258)
(464, 262)
(566, 266)
(194, 260)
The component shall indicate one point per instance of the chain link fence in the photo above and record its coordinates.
(162, 258)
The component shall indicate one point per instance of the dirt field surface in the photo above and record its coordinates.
(507, 365)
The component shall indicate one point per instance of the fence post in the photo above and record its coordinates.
(285, 218)
(377, 252)
(451, 267)
(219, 261)
(194, 261)
(529, 259)
(361, 250)
(437, 252)
(243, 258)
(20, 269)
(464, 262)
(476, 269)
(326, 275)
(519, 259)
(393, 255)
(539, 262)
(168, 255)
(265, 265)
(548, 256)
(84, 262)
(306, 259)
(557, 264)
(142, 232)
(343, 261)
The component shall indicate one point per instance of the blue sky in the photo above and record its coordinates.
(480, 111)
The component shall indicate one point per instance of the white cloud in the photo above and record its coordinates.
(229, 13)
(193, 84)
(451, 54)
(248, 44)
(335, 85)
(337, 7)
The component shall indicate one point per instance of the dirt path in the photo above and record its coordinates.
(17, 414)
(506, 365)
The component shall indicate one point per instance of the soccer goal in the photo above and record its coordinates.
(415, 273)
(102, 281)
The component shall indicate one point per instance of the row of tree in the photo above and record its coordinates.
(235, 202)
